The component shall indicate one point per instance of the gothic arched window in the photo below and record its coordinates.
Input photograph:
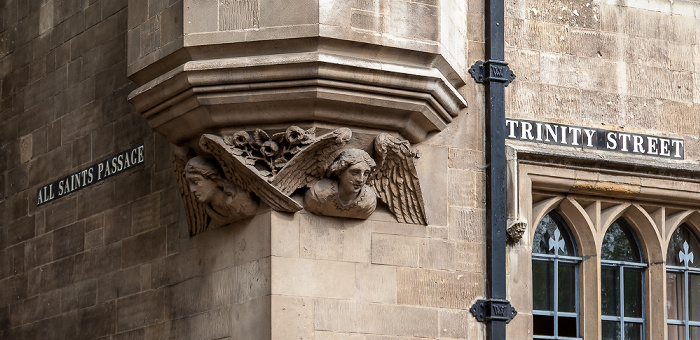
(554, 280)
(622, 284)
(683, 285)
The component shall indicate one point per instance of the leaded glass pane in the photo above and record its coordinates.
(676, 332)
(543, 325)
(619, 243)
(567, 326)
(610, 291)
(633, 331)
(567, 287)
(683, 247)
(694, 333)
(552, 237)
(611, 330)
(674, 295)
(633, 293)
(542, 285)
(694, 297)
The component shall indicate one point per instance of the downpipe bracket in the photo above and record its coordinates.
(493, 310)
(492, 70)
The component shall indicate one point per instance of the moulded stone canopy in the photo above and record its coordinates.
(399, 77)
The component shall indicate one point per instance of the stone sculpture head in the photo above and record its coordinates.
(351, 169)
(204, 179)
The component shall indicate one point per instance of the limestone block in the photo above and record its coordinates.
(142, 309)
(252, 320)
(313, 278)
(251, 280)
(213, 324)
(465, 188)
(330, 238)
(554, 65)
(648, 52)
(659, 83)
(566, 100)
(432, 173)
(284, 234)
(356, 317)
(376, 283)
(292, 318)
(203, 293)
(679, 118)
(520, 277)
(437, 254)
(679, 55)
(467, 224)
(296, 13)
(436, 288)
(453, 323)
(466, 259)
(395, 250)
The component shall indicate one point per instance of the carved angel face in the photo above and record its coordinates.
(202, 188)
(352, 179)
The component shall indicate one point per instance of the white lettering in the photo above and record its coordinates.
(624, 137)
(653, 144)
(576, 132)
(140, 154)
(612, 141)
(120, 162)
(590, 136)
(664, 147)
(638, 147)
(562, 140)
(539, 131)
(526, 130)
(511, 124)
(99, 171)
(551, 131)
(90, 176)
(678, 145)
(39, 196)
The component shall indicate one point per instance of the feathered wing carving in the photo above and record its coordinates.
(310, 164)
(197, 217)
(247, 177)
(396, 181)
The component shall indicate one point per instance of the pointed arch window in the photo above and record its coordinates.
(555, 264)
(683, 285)
(622, 284)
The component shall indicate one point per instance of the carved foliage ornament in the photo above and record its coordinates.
(339, 181)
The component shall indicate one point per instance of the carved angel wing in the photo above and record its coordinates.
(197, 217)
(396, 181)
(237, 171)
(310, 163)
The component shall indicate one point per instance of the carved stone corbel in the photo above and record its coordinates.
(516, 223)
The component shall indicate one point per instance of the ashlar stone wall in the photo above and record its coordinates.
(115, 260)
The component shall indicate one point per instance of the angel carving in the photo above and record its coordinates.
(339, 182)
(355, 180)
(208, 196)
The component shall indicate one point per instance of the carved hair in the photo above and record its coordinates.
(348, 158)
(201, 166)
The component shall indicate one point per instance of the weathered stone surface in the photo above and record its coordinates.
(433, 288)
(356, 317)
(323, 278)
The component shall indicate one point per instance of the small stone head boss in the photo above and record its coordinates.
(224, 201)
(344, 193)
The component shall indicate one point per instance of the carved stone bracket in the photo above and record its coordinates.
(339, 181)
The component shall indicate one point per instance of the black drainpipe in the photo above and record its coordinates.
(496, 310)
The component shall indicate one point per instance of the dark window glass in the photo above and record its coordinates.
(610, 290)
(633, 293)
(611, 330)
(622, 284)
(619, 243)
(543, 285)
(683, 285)
(554, 280)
